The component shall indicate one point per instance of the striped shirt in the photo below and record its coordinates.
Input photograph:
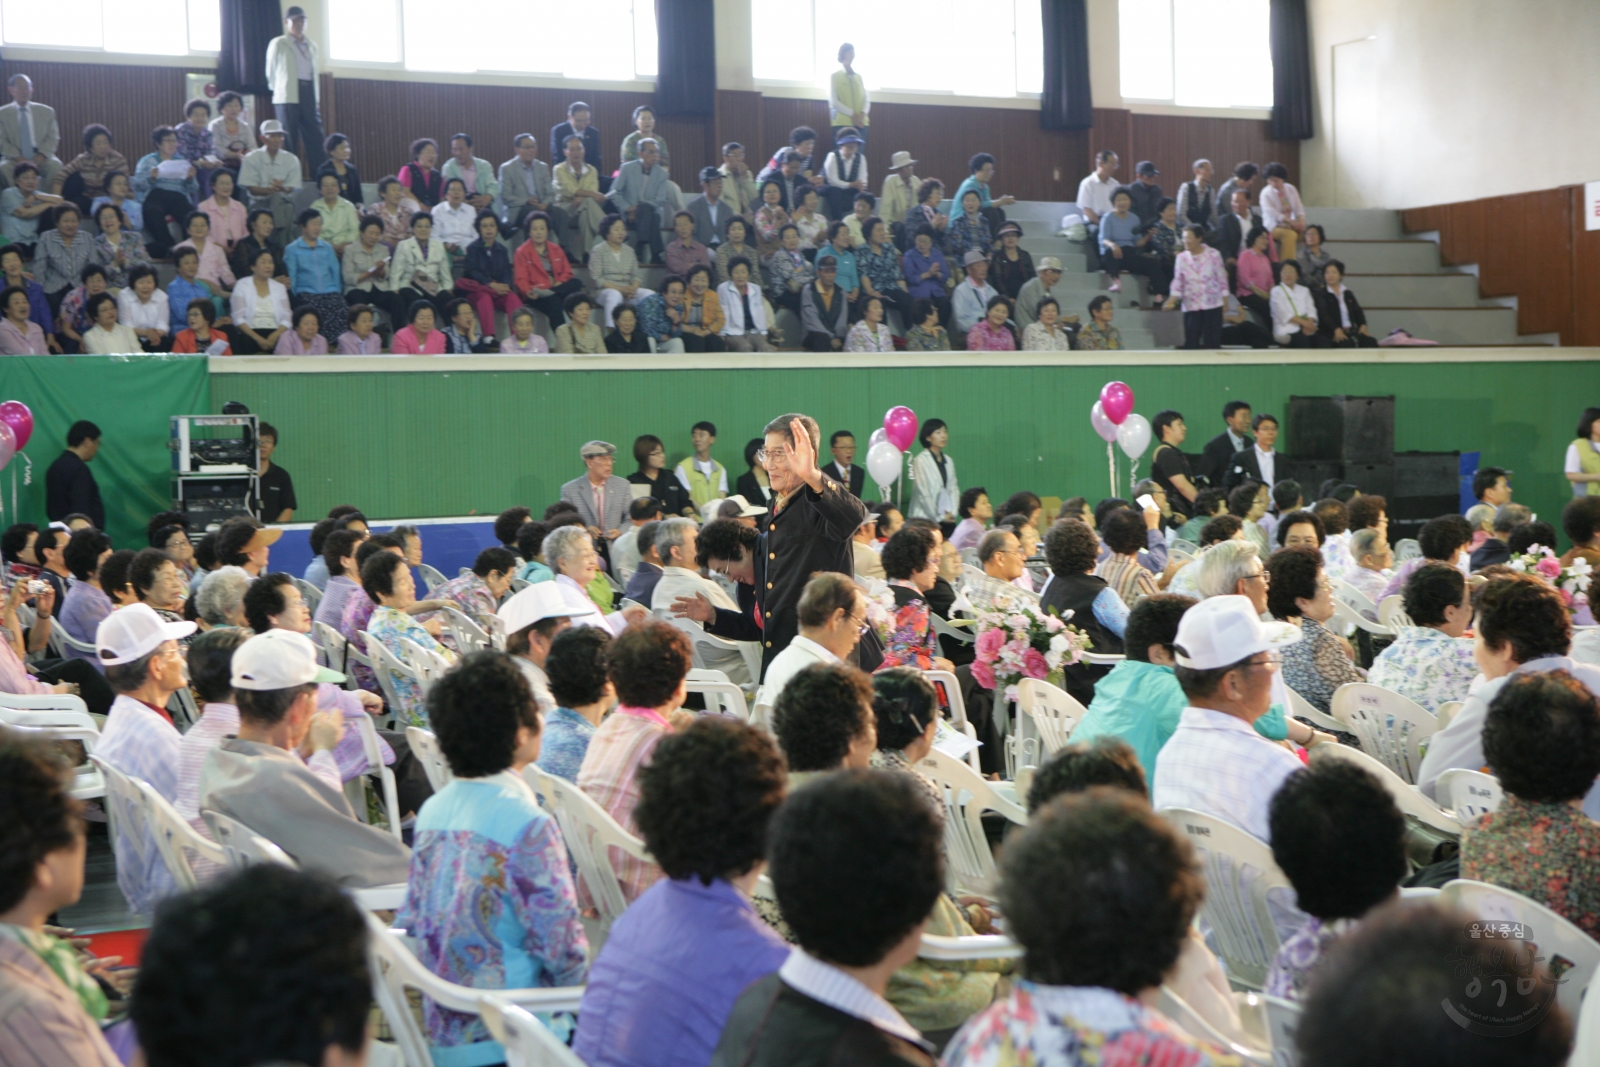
(610, 774)
(1128, 577)
(141, 744)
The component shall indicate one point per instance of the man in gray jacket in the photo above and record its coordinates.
(642, 195)
(525, 186)
(260, 779)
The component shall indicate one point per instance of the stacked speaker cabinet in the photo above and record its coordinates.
(1352, 438)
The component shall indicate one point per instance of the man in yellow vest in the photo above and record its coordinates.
(848, 103)
(704, 477)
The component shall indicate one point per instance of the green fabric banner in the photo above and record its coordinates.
(130, 399)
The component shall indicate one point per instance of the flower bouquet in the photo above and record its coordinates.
(1571, 581)
(880, 611)
(1023, 642)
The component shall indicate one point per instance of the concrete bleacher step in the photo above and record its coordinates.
(1387, 257)
(1449, 326)
(1416, 290)
(1358, 224)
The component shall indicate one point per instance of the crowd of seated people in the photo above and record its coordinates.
(508, 238)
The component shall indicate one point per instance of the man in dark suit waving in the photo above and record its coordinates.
(843, 446)
(1221, 449)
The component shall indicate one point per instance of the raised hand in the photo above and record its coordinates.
(802, 458)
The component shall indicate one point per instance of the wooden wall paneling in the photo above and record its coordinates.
(739, 118)
(1113, 129)
(779, 115)
(129, 101)
(1162, 140)
(1584, 275)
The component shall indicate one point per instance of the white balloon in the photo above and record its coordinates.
(883, 462)
(1134, 435)
(880, 434)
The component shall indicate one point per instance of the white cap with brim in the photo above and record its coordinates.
(1224, 630)
(279, 659)
(546, 600)
(133, 632)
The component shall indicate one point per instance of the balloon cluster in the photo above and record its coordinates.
(887, 446)
(1114, 419)
(16, 427)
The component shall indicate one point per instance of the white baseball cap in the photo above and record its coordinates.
(746, 509)
(279, 659)
(135, 631)
(546, 600)
(1223, 630)
(271, 126)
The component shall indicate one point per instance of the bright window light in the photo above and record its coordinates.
(146, 27)
(30, 22)
(1144, 29)
(791, 23)
(364, 31)
(1169, 50)
(205, 26)
(644, 39)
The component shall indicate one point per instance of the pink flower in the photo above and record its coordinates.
(1548, 566)
(1034, 665)
(990, 643)
(1566, 596)
(983, 674)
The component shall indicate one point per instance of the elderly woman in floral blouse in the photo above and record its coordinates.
(196, 144)
(911, 560)
(809, 219)
(1100, 335)
(927, 335)
(878, 263)
(788, 270)
(870, 334)
(738, 233)
(770, 218)
(91, 168)
(396, 209)
(926, 211)
(214, 269)
(119, 248)
(1047, 334)
(990, 333)
(1300, 593)
(968, 229)
(74, 320)
(387, 580)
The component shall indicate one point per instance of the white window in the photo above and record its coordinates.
(498, 36)
(1195, 53)
(1001, 52)
(149, 27)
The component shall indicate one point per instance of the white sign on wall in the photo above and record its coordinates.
(1591, 206)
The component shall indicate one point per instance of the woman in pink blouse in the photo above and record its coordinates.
(1200, 284)
(302, 339)
(419, 338)
(395, 208)
(19, 336)
(227, 215)
(991, 334)
(360, 339)
(1255, 273)
(214, 270)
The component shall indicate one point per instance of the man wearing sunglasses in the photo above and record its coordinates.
(1215, 762)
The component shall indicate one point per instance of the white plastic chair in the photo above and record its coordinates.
(60, 642)
(1283, 1019)
(309, 593)
(589, 831)
(431, 577)
(187, 712)
(955, 633)
(958, 709)
(1301, 708)
(388, 667)
(1391, 728)
(469, 636)
(425, 746)
(126, 808)
(63, 717)
(528, 1042)
(428, 663)
(1239, 872)
(175, 838)
(702, 642)
(495, 627)
(720, 694)
(1571, 955)
(341, 654)
(761, 716)
(388, 793)
(243, 847)
(1447, 711)
(1586, 1042)
(1179, 544)
(972, 947)
(1405, 549)
(1470, 794)
(1178, 1010)
(967, 795)
(1053, 712)
(396, 970)
(1407, 797)
(1392, 613)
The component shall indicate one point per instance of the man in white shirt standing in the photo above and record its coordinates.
(1215, 763)
(292, 61)
(1094, 199)
(28, 133)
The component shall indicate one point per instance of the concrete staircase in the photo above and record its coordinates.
(1398, 277)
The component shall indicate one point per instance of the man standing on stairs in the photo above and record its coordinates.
(292, 72)
(1094, 199)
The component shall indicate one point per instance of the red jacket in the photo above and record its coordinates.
(530, 273)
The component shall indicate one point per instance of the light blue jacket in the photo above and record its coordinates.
(313, 269)
(633, 187)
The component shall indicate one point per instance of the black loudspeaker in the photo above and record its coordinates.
(1372, 478)
(1311, 473)
(1427, 474)
(1352, 429)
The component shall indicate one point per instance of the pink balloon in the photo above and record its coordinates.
(8, 445)
(15, 413)
(1102, 425)
(1116, 400)
(900, 426)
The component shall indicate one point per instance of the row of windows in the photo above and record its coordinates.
(1191, 53)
